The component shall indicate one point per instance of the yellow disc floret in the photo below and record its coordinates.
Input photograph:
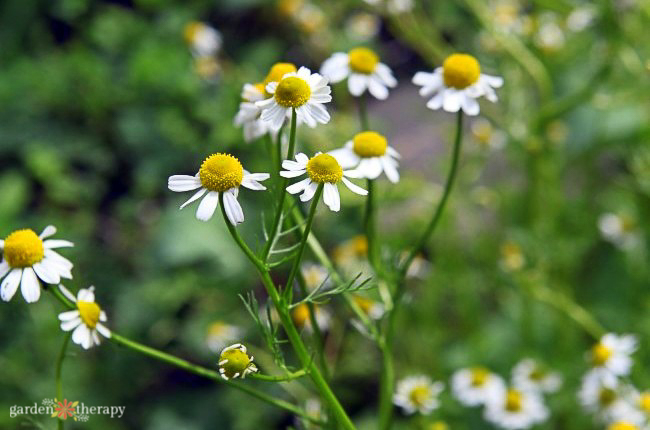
(363, 60)
(514, 400)
(600, 354)
(191, 30)
(644, 402)
(221, 172)
(419, 395)
(234, 361)
(292, 92)
(300, 315)
(606, 396)
(622, 425)
(278, 70)
(324, 168)
(369, 144)
(23, 248)
(460, 71)
(479, 376)
(89, 312)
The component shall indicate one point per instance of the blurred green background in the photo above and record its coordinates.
(101, 101)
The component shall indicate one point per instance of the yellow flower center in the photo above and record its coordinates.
(460, 71)
(23, 248)
(191, 30)
(89, 312)
(538, 373)
(606, 396)
(278, 70)
(419, 395)
(300, 314)
(237, 361)
(365, 304)
(292, 92)
(644, 402)
(369, 144)
(221, 172)
(514, 400)
(622, 425)
(600, 354)
(479, 376)
(438, 425)
(324, 168)
(363, 60)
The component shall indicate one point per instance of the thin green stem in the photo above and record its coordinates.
(59, 379)
(292, 333)
(363, 112)
(277, 219)
(318, 334)
(370, 227)
(196, 369)
(279, 378)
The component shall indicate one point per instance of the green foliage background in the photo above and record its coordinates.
(100, 103)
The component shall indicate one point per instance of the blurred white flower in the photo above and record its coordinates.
(204, 40)
(373, 308)
(363, 70)
(302, 318)
(549, 36)
(28, 257)
(220, 334)
(516, 409)
(620, 230)
(418, 394)
(603, 395)
(86, 321)
(362, 26)
(315, 275)
(474, 386)
(249, 113)
(219, 173)
(457, 84)
(581, 17)
(486, 135)
(613, 353)
(369, 154)
(529, 375)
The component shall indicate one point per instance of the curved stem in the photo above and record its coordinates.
(292, 333)
(279, 378)
(59, 379)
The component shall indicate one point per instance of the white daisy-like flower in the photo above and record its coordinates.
(623, 425)
(219, 173)
(474, 386)
(86, 321)
(529, 375)
(516, 409)
(613, 353)
(418, 394)
(220, 334)
(302, 318)
(363, 70)
(603, 395)
(28, 257)
(620, 230)
(234, 362)
(457, 84)
(373, 308)
(249, 113)
(315, 275)
(204, 40)
(320, 169)
(368, 152)
(302, 91)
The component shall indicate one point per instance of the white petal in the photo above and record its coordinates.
(10, 284)
(207, 206)
(354, 188)
(302, 158)
(103, 330)
(336, 67)
(233, 208)
(303, 73)
(424, 78)
(377, 89)
(180, 183)
(50, 230)
(293, 165)
(493, 81)
(86, 295)
(29, 286)
(386, 75)
(72, 323)
(54, 243)
(270, 88)
(80, 334)
(370, 167)
(390, 169)
(309, 192)
(68, 315)
(470, 106)
(298, 186)
(4, 268)
(452, 99)
(320, 113)
(331, 197)
(346, 157)
(46, 272)
(57, 259)
(436, 101)
(194, 198)
(304, 114)
(292, 173)
(67, 293)
(357, 84)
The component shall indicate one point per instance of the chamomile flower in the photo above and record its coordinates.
(204, 40)
(418, 394)
(457, 84)
(320, 169)
(302, 318)
(532, 376)
(86, 322)
(363, 70)
(249, 113)
(28, 257)
(234, 362)
(219, 173)
(613, 353)
(602, 394)
(512, 257)
(622, 425)
(302, 91)
(619, 229)
(315, 275)
(372, 308)
(368, 152)
(220, 334)
(474, 386)
(516, 409)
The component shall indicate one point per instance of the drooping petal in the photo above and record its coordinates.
(233, 209)
(68, 325)
(29, 285)
(386, 75)
(298, 186)
(68, 315)
(331, 197)
(46, 272)
(80, 335)
(357, 84)
(452, 100)
(470, 105)
(195, 197)
(309, 192)
(320, 113)
(207, 206)
(390, 169)
(10, 284)
(354, 188)
(4, 268)
(377, 88)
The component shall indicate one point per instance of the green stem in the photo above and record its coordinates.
(370, 227)
(196, 369)
(292, 333)
(59, 370)
(277, 219)
(318, 335)
(363, 112)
